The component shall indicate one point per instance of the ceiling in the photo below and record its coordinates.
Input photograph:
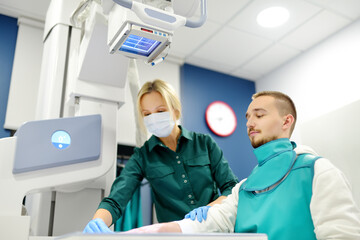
(231, 42)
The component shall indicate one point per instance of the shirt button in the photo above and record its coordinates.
(190, 196)
(178, 162)
(183, 176)
(177, 157)
(185, 181)
(192, 202)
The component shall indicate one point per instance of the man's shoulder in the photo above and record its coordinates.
(323, 165)
(302, 149)
(307, 159)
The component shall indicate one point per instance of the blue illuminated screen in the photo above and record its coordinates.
(61, 139)
(139, 45)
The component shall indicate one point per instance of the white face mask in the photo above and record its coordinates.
(160, 124)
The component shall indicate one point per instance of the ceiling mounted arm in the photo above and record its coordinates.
(162, 18)
(201, 20)
(124, 3)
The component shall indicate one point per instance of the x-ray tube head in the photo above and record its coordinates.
(138, 41)
(139, 45)
(141, 31)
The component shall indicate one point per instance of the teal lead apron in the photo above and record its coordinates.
(281, 206)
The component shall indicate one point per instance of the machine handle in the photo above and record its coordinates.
(161, 18)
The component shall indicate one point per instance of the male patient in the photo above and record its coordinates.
(291, 193)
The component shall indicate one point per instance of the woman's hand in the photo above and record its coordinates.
(97, 225)
(200, 213)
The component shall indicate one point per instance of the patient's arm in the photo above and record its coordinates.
(157, 228)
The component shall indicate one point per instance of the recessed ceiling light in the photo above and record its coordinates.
(273, 17)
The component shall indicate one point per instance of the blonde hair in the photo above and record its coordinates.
(284, 104)
(166, 91)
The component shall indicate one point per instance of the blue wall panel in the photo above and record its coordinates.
(8, 35)
(199, 88)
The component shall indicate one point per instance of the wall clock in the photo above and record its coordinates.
(221, 118)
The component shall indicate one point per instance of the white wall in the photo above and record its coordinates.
(324, 84)
(335, 136)
(323, 79)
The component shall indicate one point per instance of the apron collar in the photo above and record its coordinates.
(275, 160)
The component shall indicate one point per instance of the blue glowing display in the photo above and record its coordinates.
(139, 45)
(61, 139)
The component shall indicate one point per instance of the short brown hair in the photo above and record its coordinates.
(284, 104)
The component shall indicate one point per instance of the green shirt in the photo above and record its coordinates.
(180, 181)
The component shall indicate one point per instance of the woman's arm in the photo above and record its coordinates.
(100, 222)
(123, 188)
(222, 174)
(221, 217)
(105, 215)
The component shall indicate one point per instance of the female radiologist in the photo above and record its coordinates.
(185, 169)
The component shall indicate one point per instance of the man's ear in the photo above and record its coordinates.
(288, 121)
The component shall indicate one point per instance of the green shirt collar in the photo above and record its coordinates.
(155, 141)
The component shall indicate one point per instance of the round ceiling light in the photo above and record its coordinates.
(273, 17)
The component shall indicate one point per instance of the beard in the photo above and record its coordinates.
(260, 142)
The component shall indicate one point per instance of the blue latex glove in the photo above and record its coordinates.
(200, 213)
(97, 225)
